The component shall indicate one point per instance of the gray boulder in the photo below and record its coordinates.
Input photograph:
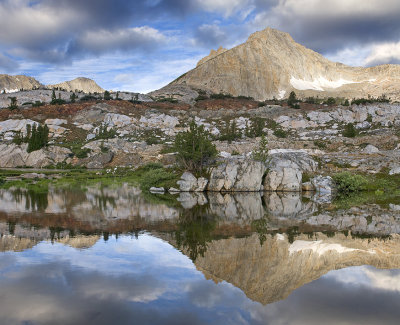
(189, 183)
(99, 160)
(237, 175)
(285, 171)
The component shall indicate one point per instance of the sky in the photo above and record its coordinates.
(142, 45)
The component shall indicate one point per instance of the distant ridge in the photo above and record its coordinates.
(11, 84)
(81, 84)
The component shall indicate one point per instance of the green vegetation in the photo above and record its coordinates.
(13, 103)
(293, 101)
(155, 175)
(194, 147)
(73, 98)
(280, 133)
(347, 182)
(370, 100)
(36, 137)
(220, 96)
(230, 132)
(103, 133)
(261, 153)
(256, 128)
(349, 131)
(320, 144)
(107, 95)
(330, 101)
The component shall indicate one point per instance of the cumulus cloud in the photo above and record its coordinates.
(103, 41)
(329, 26)
(384, 54)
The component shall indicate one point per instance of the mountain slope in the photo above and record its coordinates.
(271, 64)
(11, 84)
(81, 84)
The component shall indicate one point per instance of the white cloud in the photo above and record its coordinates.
(383, 53)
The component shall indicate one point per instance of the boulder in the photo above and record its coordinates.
(370, 149)
(284, 176)
(189, 183)
(237, 175)
(323, 184)
(285, 170)
(395, 171)
(99, 160)
(157, 190)
(13, 155)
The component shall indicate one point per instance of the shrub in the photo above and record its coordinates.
(347, 182)
(73, 98)
(293, 101)
(107, 95)
(320, 144)
(13, 103)
(346, 103)
(38, 137)
(280, 133)
(158, 177)
(104, 133)
(330, 101)
(194, 147)
(261, 153)
(349, 131)
(256, 128)
(80, 152)
(230, 132)
(37, 103)
(220, 96)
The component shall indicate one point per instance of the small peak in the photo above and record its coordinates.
(212, 55)
(269, 33)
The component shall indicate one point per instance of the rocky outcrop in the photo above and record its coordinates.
(11, 84)
(85, 85)
(237, 175)
(13, 155)
(189, 183)
(285, 170)
(271, 64)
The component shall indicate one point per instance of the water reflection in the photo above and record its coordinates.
(113, 255)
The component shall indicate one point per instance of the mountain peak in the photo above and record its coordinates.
(271, 64)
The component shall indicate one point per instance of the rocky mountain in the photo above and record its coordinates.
(81, 84)
(11, 84)
(271, 64)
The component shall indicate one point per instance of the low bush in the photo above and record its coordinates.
(261, 153)
(280, 133)
(349, 131)
(194, 147)
(348, 183)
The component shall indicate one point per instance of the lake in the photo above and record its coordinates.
(109, 254)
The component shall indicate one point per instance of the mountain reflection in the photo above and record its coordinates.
(161, 259)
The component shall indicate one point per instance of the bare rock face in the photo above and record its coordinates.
(80, 84)
(271, 64)
(13, 155)
(237, 175)
(10, 84)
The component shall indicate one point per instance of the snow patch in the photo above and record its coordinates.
(9, 91)
(318, 247)
(280, 237)
(318, 84)
(282, 94)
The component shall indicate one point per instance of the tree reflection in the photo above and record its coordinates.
(195, 227)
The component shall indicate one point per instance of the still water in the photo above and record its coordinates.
(111, 255)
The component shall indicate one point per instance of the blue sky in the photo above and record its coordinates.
(142, 45)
